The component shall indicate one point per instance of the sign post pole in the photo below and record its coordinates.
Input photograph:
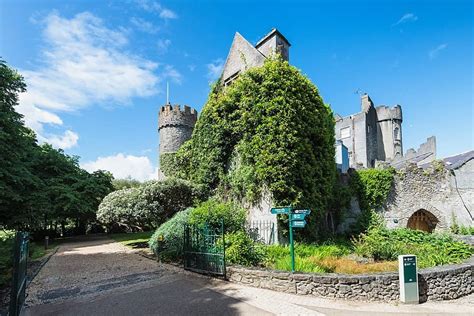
(292, 246)
(295, 220)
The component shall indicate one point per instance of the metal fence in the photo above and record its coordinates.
(204, 249)
(20, 258)
(262, 231)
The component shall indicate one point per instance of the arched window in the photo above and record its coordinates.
(422, 220)
(396, 133)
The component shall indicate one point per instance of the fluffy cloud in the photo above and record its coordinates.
(435, 51)
(83, 63)
(163, 45)
(144, 25)
(155, 7)
(407, 17)
(214, 69)
(124, 166)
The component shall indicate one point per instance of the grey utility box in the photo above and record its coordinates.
(408, 276)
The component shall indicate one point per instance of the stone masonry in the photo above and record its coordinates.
(435, 284)
(175, 126)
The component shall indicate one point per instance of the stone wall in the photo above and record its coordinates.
(444, 193)
(438, 283)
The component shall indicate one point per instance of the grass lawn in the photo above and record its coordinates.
(133, 240)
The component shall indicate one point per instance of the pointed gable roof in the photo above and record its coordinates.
(242, 55)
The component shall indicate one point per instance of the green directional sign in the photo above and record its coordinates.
(305, 212)
(298, 216)
(280, 210)
(298, 224)
(296, 220)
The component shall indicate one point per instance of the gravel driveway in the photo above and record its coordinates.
(98, 276)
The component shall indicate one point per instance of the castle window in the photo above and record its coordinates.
(396, 133)
(345, 132)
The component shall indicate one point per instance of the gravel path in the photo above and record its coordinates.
(88, 266)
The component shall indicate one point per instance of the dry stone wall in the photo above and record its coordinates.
(438, 283)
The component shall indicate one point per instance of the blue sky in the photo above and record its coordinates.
(97, 70)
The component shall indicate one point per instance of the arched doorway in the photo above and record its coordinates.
(422, 220)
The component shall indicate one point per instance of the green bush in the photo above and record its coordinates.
(147, 206)
(172, 232)
(381, 243)
(7, 239)
(212, 212)
(242, 250)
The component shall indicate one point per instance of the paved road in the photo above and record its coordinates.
(97, 276)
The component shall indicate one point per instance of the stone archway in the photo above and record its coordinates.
(423, 220)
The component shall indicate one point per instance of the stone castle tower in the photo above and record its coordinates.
(374, 134)
(175, 126)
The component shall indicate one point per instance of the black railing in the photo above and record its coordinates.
(20, 260)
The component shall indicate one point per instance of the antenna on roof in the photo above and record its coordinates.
(167, 92)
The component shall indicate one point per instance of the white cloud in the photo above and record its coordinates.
(144, 25)
(407, 17)
(83, 63)
(168, 14)
(435, 51)
(155, 7)
(163, 45)
(67, 140)
(124, 166)
(214, 69)
(171, 73)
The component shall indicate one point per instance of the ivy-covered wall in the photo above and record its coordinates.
(269, 129)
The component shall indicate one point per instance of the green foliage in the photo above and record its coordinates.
(40, 187)
(269, 129)
(120, 184)
(242, 250)
(372, 186)
(381, 243)
(212, 212)
(6, 251)
(147, 206)
(172, 232)
(306, 255)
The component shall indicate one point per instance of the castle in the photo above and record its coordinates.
(373, 135)
(363, 140)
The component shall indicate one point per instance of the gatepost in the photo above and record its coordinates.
(408, 277)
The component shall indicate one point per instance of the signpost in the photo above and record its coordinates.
(296, 219)
(408, 277)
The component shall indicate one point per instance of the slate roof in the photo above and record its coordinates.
(455, 162)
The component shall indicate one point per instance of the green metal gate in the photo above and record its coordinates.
(20, 257)
(204, 249)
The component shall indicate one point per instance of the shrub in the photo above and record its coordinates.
(212, 212)
(242, 250)
(381, 243)
(7, 238)
(148, 205)
(172, 232)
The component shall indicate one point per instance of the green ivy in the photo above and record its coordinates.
(372, 186)
(269, 129)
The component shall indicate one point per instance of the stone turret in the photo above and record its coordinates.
(175, 126)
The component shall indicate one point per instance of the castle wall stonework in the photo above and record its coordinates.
(435, 284)
(447, 194)
(175, 126)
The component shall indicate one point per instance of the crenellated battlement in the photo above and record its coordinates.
(174, 115)
(385, 113)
